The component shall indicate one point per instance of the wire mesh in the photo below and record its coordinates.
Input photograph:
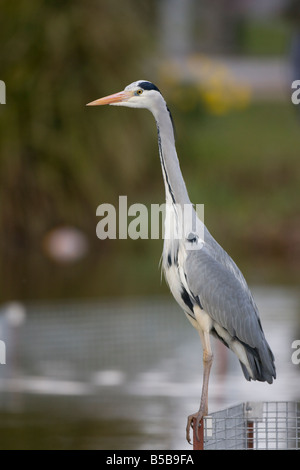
(92, 352)
(251, 425)
(132, 360)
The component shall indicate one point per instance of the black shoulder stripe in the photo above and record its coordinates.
(197, 298)
(169, 260)
(186, 298)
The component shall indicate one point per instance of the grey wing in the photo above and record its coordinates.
(221, 290)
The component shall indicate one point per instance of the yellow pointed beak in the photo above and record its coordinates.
(112, 99)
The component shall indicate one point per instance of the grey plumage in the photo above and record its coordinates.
(224, 295)
(202, 277)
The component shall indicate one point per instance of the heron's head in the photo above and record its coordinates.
(140, 94)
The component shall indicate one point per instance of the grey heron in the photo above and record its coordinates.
(202, 277)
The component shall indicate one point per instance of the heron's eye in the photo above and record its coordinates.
(139, 92)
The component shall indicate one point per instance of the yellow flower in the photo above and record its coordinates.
(212, 85)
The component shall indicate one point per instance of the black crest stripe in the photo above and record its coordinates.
(148, 86)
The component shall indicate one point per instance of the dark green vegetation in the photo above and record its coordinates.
(59, 160)
(258, 38)
(243, 166)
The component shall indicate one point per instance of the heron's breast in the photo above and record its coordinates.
(176, 279)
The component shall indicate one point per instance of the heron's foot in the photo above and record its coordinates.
(190, 424)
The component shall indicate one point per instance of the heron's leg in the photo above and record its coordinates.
(207, 362)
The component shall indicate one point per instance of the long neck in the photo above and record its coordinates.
(176, 191)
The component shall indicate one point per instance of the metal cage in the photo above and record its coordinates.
(253, 425)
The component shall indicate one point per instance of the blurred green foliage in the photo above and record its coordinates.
(59, 160)
(55, 57)
(216, 92)
(264, 37)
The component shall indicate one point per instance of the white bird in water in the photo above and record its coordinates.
(202, 277)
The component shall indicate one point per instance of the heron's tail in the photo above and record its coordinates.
(260, 365)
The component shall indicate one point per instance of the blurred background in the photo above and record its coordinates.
(88, 324)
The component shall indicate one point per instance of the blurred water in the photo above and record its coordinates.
(125, 374)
